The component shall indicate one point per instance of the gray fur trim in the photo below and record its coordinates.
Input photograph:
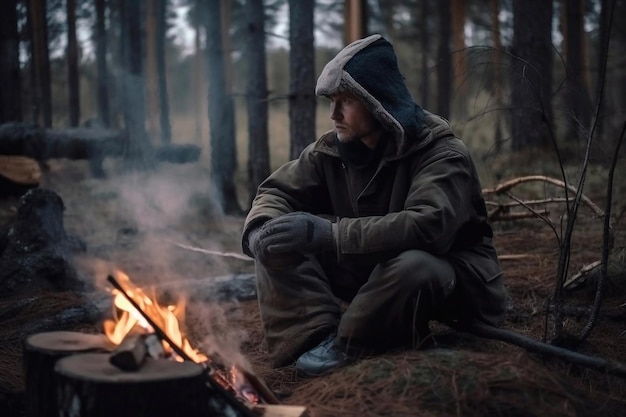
(330, 79)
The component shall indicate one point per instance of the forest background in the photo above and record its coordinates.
(513, 77)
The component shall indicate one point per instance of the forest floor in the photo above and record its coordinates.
(145, 223)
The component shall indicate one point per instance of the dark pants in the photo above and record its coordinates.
(390, 303)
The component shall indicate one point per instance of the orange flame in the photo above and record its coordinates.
(126, 318)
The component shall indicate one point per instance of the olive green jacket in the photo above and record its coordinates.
(424, 196)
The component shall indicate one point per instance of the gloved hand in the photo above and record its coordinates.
(260, 251)
(297, 232)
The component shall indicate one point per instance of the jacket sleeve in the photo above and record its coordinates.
(438, 203)
(295, 186)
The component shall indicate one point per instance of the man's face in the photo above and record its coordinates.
(352, 120)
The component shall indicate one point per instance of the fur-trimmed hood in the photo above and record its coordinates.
(369, 69)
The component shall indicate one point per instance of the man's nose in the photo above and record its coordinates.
(335, 112)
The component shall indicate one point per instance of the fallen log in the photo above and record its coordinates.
(81, 143)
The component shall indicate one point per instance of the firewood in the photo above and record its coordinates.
(41, 352)
(20, 169)
(269, 410)
(131, 353)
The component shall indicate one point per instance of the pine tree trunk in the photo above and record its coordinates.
(424, 13)
(73, 80)
(139, 151)
(104, 115)
(221, 113)
(444, 69)
(258, 136)
(576, 98)
(164, 106)
(302, 100)
(42, 95)
(10, 90)
(531, 74)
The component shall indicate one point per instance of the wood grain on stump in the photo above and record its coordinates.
(90, 386)
(41, 352)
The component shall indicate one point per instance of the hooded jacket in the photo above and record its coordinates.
(424, 193)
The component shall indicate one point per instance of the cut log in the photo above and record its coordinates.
(88, 385)
(280, 411)
(20, 169)
(41, 352)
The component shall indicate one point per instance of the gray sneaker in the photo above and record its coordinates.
(323, 358)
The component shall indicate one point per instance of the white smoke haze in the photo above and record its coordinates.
(133, 221)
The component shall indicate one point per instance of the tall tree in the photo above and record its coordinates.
(104, 114)
(152, 106)
(40, 61)
(139, 152)
(355, 17)
(576, 97)
(10, 91)
(444, 70)
(258, 140)
(531, 95)
(197, 95)
(497, 82)
(302, 99)
(164, 104)
(221, 113)
(424, 12)
(73, 81)
(459, 67)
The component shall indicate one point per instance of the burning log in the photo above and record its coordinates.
(41, 353)
(131, 353)
(89, 385)
(222, 400)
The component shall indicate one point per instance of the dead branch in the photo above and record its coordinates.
(499, 215)
(532, 345)
(508, 185)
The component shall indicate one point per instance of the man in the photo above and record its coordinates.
(384, 213)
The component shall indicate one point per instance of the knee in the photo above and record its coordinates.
(415, 269)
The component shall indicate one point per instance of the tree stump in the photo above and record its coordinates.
(36, 252)
(41, 352)
(90, 386)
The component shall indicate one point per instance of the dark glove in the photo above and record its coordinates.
(275, 261)
(297, 232)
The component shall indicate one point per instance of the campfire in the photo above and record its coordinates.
(142, 363)
(139, 319)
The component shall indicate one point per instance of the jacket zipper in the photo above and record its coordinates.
(353, 202)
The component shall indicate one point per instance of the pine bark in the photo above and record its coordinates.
(73, 80)
(258, 136)
(444, 68)
(10, 89)
(221, 113)
(104, 114)
(302, 100)
(531, 114)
